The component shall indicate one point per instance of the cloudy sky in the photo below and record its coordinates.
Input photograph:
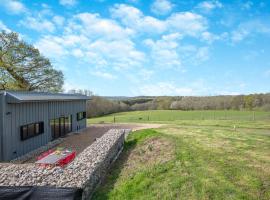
(155, 47)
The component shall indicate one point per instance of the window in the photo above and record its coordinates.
(36, 128)
(57, 127)
(31, 130)
(23, 132)
(81, 116)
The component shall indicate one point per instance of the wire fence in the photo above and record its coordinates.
(189, 115)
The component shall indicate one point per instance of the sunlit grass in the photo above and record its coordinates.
(243, 119)
(187, 162)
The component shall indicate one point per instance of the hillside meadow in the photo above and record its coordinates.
(191, 158)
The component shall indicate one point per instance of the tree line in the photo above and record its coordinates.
(99, 106)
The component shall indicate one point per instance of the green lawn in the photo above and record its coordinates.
(193, 159)
(176, 115)
(242, 119)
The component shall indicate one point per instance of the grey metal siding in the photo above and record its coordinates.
(26, 113)
(81, 108)
(2, 112)
(22, 114)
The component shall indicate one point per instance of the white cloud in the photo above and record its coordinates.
(13, 6)
(38, 24)
(249, 28)
(193, 55)
(210, 37)
(58, 20)
(93, 24)
(161, 7)
(122, 53)
(239, 34)
(187, 23)
(207, 6)
(68, 2)
(183, 22)
(163, 88)
(103, 75)
(51, 47)
(134, 18)
(77, 53)
(4, 27)
(97, 41)
(164, 53)
(105, 47)
(169, 53)
(202, 54)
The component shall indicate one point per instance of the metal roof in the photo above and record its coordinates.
(25, 96)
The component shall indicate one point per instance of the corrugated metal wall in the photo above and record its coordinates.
(2, 112)
(26, 113)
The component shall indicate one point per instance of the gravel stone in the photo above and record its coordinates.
(85, 171)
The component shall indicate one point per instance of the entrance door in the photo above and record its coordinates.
(55, 128)
(68, 124)
(62, 126)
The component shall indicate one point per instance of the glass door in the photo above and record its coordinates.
(62, 126)
(55, 131)
(68, 124)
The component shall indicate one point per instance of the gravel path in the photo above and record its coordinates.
(133, 126)
(79, 141)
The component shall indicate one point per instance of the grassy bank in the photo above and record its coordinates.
(186, 162)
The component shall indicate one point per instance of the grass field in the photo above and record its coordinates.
(192, 159)
(176, 115)
(243, 119)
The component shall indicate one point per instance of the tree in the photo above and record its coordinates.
(22, 67)
(248, 101)
(80, 91)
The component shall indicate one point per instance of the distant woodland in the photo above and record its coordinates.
(99, 106)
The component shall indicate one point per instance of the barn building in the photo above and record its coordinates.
(29, 120)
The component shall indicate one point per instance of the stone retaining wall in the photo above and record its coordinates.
(85, 172)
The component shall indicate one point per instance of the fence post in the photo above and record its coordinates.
(113, 119)
(253, 115)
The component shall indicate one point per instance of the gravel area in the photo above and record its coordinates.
(133, 126)
(75, 174)
(86, 137)
(81, 140)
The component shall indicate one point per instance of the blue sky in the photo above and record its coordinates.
(155, 47)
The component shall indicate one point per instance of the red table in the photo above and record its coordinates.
(56, 158)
